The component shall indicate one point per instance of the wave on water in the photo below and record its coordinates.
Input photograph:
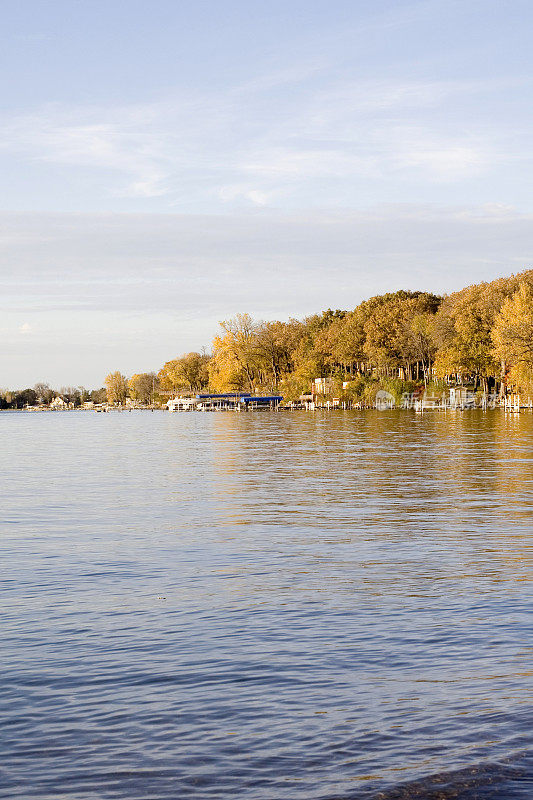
(486, 781)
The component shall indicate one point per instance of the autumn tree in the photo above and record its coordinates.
(313, 354)
(186, 373)
(346, 339)
(275, 345)
(512, 336)
(393, 338)
(464, 324)
(235, 360)
(142, 387)
(421, 338)
(116, 388)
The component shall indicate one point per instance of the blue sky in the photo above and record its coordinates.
(168, 164)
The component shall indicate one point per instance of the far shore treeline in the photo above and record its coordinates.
(481, 336)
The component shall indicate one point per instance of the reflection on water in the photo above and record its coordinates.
(269, 606)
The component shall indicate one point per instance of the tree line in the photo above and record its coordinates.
(481, 335)
(41, 394)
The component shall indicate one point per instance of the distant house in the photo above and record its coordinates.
(322, 386)
(58, 404)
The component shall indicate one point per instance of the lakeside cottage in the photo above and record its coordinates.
(59, 404)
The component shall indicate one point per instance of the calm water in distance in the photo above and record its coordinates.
(270, 606)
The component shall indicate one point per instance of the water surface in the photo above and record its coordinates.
(266, 606)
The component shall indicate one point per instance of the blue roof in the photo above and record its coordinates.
(262, 399)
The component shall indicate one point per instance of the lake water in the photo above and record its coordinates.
(270, 606)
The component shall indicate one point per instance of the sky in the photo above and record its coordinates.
(166, 165)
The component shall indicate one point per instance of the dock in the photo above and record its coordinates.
(226, 401)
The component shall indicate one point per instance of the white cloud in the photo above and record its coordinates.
(445, 161)
(125, 140)
(190, 149)
(243, 192)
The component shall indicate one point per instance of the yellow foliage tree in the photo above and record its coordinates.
(142, 387)
(234, 364)
(116, 388)
(187, 373)
(513, 337)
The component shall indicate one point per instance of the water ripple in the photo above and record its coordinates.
(270, 607)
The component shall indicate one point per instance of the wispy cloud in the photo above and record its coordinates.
(113, 141)
(241, 146)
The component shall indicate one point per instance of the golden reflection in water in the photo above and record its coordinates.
(462, 481)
